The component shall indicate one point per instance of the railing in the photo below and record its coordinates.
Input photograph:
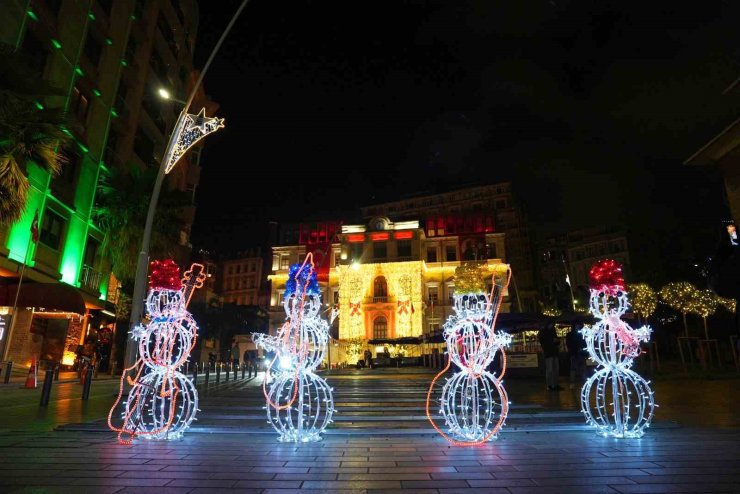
(90, 278)
(380, 300)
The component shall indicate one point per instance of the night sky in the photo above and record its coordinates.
(589, 107)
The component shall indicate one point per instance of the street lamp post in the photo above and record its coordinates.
(185, 134)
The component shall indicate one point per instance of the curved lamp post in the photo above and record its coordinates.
(188, 130)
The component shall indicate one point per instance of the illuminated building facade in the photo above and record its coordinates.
(461, 216)
(109, 58)
(240, 279)
(386, 280)
(574, 254)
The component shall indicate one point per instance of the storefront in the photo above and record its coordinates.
(49, 322)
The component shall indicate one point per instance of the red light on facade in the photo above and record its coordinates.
(375, 237)
(404, 235)
(357, 237)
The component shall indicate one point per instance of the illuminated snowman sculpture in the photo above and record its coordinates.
(299, 402)
(616, 400)
(474, 403)
(162, 401)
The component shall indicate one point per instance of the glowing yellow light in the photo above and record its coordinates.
(68, 358)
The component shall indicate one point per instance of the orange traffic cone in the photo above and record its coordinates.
(31, 379)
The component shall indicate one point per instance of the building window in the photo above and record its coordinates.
(131, 49)
(79, 104)
(91, 252)
(491, 251)
(431, 254)
(93, 50)
(433, 295)
(356, 252)
(336, 297)
(231, 270)
(451, 253)
(380, 287)
(69, 170)
(53, 6)
(252, 267)
(404, 248)
(284, 262)
(159, 66)
(35, 53)
(380, 328)
(380, 250)
(500, 204)
(168, 34)
(52, 229)
(139, 9)
(111, 149)
(121, 98)
(144, 147)
(106, 5)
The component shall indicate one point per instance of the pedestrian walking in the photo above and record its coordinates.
(234, 356)
(248, 361)
(577, 352)
(551, 350)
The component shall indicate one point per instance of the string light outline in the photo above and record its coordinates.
(614, 345)
(472, 329)
(192, 129)
(162, 402)
(300, 404)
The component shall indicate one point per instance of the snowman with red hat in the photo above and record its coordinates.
(616, 400)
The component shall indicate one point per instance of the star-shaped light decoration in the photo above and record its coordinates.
(190, 130)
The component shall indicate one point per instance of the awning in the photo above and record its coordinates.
(49, 296)
(406, 340)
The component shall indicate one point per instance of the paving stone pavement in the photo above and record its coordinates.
(664, 461)
(381, 443)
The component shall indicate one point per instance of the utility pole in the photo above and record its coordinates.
(567, 280)
(142, 266)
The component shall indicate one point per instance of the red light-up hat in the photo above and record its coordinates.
(165, 275)
(606, 276)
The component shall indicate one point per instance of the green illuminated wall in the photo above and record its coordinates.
(76, 239)
(20, 232)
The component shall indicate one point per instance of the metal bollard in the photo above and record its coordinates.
(8, 371)
(88, 381)
(195, 374)
(57, 366)
(235, 366)
(228, 371)
(244, 371)
(46, 389)
(208, 373)
(218, 373)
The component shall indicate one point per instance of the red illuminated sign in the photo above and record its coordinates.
(357, 237)
(404, 235)
(378, 236)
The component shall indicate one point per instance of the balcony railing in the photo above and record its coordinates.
(90, 278)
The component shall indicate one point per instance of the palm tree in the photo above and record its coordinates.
(121, 210)
(28, 133)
